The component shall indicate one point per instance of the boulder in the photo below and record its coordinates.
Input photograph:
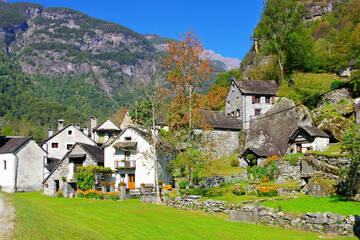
(320, 190)
(335, 126)
(335, 96)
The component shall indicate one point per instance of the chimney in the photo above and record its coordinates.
(60, 124)
(93, 124)
(77, 125)
(51, 132)
(86, 130)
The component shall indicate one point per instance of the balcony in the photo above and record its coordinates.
(126, 164)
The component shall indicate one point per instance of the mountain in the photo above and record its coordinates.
(223, 63)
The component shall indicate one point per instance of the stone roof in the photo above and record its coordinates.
(219, 120)
(269, 135)
(351, 63)
(52, 163)
(96, 153)
(261, 87)
(312, 131)
(11, 144)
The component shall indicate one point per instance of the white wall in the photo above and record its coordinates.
(31, 167)
(321, 144)
(7, 176)
(145, 167)
(63, 139)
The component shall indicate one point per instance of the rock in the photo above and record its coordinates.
(281, 180)
(307, 227)
(332, 229)
(288, 217)
(301, 183)
(320, 190)
(356, 105)
(335, 96)
(331, 221)
(335, 126)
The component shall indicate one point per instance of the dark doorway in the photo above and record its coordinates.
(57, 185)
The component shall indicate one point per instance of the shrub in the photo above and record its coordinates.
(267, 191)
(92, 193)
(112, 196)
(235, 163)
(59, 194)
(80, 193)
(239, 189)
(182, 184)
(63, 179)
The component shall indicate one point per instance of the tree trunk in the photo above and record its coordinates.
(188, 182)
(282, 80)
(153, 133)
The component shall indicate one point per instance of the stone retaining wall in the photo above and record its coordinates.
(327, 222)
(339, 161)
(216, 181)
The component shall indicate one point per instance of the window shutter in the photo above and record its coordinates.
(272, 100)
(253, 99)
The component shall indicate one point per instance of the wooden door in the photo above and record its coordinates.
(298, 148)
(131, 181)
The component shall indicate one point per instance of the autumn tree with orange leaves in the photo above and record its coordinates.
(187, 66)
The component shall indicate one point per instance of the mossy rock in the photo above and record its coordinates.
(335, 126)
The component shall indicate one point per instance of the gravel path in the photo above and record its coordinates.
(7, 214)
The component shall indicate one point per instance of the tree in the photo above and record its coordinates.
(279, 19)
(350, 183)
(187, 67)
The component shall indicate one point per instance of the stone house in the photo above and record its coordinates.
(21, 164)
(248, 99)
(306, 138)
(224, 132)
(58, 144)
(131, 156)
(103, 132)
(62, 177)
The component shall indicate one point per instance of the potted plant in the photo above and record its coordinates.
(142, 184)
(160, 182)
(123, 160)
(103, 183)
(63, 179)
(122, 184)
(46, 185)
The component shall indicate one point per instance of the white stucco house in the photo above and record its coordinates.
(306, 138)
(21, 164)
(131, 156)
(58, 144)
(104, 131)
(248, 99)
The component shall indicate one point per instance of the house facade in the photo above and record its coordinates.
(248, 99)
(306, 138)
(131, 156)
(103, 132)
(62, 178)
(21, 164)
(58, 144)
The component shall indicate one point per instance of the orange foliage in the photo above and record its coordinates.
(187, 66)
(215, 99)
(266, 189)
(270, 159)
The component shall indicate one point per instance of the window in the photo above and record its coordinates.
(122, 177)
(232, 88)
(257, 99)
(238, 113)
(267, 99)
(69, 146)
(232, 114)
(54, 145)
(70, 132)
(228, 103)
(127, 155)
(257, 112)
(4, 165)
(127, 138)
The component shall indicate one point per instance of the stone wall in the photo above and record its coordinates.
(286, 172)
(331, 223)
(226, 142)
(335, 160)
(216, 181)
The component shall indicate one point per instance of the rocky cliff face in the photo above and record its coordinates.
(60, 41)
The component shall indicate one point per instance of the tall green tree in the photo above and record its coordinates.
(279, 19)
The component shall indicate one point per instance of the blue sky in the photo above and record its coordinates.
(222, 25)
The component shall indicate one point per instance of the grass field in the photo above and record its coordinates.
(312, 204)
(43, 217)
(223, 165)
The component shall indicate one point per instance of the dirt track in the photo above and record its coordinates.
(7, 214)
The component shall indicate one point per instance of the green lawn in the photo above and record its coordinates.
(312, 204)
(223, 165)
(43, 217)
